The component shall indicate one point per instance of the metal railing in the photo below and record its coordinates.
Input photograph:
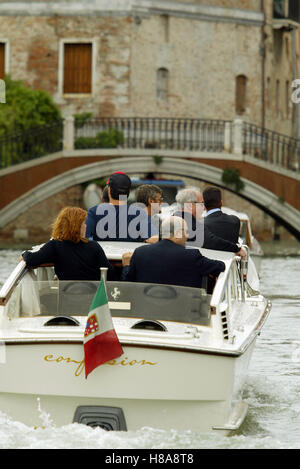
(207, 135)
(26, 145)
(272, 147)
(156, 133)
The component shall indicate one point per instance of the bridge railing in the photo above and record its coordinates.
(207, 135)
(157, 133)
(272, 147)
(26, 145)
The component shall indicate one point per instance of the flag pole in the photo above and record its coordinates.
(101, 343)
(104, 277)
(104, 273)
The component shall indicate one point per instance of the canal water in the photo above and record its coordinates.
(272, 387)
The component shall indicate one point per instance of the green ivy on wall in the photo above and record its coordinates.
(231, 177)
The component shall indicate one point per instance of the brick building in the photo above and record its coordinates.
(215, 59)
(202, 58)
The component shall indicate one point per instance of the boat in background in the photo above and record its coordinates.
(170, 188)
(186, 350)
(92, 196)
(246, 236)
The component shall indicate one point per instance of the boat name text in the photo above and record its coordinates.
(122, 362)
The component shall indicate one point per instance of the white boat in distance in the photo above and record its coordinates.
(246, 236)
(186, 350)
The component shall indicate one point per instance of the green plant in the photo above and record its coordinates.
(107, 139)
(25, 108)
(81, 119)
(157, 159)
(23, 115)
(231, 177)
(85, 142)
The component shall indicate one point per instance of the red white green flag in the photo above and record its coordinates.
(101, 343)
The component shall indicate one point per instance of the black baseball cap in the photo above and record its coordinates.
(120, 182)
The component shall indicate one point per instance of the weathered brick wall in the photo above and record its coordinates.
(203, 59)
(34, 58)
(279, 56)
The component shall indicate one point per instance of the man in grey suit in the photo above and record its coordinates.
(219, 223)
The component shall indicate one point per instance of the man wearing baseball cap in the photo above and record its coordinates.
(116, 220)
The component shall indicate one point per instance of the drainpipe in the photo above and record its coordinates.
(263, 56)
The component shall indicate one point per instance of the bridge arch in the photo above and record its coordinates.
(287, 215)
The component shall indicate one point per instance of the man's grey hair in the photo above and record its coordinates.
(193, 188)
(171, 227)
(185, 196)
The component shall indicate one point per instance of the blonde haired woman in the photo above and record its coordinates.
(74, 257)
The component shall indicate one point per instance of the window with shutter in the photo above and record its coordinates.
(287, 98)
(240, 94)
(162, 84)
(77, 68)
(2, 59)
(278, 98)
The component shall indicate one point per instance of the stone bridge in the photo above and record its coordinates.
(268, 163)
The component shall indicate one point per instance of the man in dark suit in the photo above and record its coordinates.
(219, 223)
(190, 207)
(168, 261)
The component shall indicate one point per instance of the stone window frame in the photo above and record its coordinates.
(76, 40)
(7, 54)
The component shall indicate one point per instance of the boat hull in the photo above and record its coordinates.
(156, 387)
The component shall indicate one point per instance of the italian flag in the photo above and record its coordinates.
(101, 343)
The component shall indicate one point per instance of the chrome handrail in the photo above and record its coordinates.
(244, 271)
(221, 283)
(10, 284)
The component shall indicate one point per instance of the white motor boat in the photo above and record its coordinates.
(92, 196)
(246, 236)
(186, 350)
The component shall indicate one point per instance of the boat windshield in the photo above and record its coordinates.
(126, 299)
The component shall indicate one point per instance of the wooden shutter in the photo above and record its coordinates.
(77, 68)
(2, 59)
